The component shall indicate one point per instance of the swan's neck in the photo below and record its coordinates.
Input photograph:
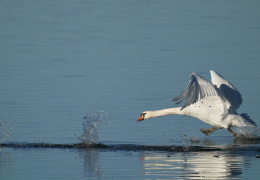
(164, 112)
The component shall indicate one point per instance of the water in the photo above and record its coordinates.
(62, 61)
(90, 128)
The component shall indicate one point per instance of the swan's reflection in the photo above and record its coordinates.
(167, 165)
(192, 165)
(107, 163)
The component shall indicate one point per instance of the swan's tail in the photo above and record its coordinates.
(248, 120)
(242, 120)
(246, 127)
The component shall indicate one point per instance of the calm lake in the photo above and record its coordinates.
(76, 75)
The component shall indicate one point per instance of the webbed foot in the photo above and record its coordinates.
(233, 134)
(210, 130)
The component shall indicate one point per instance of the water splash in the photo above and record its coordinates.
(248, 132)
(90, 128)
(5, 130)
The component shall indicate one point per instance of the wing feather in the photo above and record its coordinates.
(228, 91)
(197, 88)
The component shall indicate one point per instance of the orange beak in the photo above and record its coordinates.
(141, 118)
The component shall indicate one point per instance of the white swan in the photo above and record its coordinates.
(214, 103)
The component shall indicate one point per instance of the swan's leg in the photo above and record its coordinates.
(210, 130)
(232, 132)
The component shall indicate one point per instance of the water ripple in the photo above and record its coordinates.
(135, 147)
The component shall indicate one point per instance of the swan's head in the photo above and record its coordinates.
(145, 115)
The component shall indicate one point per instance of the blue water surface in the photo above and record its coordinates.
(112, 60)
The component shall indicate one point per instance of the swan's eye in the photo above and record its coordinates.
(142, 117)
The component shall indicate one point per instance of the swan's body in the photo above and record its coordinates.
(214, 103)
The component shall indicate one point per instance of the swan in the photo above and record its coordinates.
(215, 103)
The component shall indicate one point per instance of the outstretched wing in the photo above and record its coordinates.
(228, 91)
(198, 88)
